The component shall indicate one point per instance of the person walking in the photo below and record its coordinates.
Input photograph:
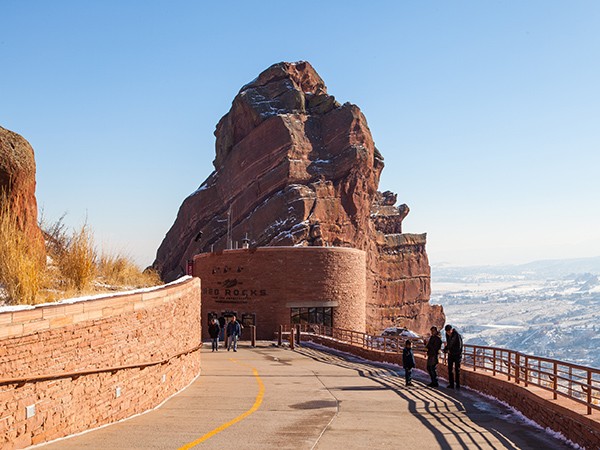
(213, 331)
(408, 362)
(433, 346)
(233, 333)
(454, 349)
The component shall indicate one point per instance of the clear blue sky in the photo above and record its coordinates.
(487, 112)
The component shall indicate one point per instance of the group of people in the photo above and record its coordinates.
(217, 330)
(453, 348)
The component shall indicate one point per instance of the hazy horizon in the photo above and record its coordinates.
(486, 113)
(566, 261)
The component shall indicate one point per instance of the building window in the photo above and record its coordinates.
(319, 315)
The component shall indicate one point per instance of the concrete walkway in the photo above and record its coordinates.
(276, 398)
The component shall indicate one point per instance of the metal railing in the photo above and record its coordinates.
(21, 380)
(578, 383)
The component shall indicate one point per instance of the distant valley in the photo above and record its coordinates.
(544, 308)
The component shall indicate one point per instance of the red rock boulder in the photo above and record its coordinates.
(293, 167)
(17, 181)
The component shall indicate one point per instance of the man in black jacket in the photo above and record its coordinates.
(454, 348)
(433, 346)
(213, 332)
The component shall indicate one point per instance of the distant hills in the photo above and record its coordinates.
(543, 269)
(544, 308)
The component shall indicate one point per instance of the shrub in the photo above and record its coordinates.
(56, 236)
(76, 259)
(120, 270)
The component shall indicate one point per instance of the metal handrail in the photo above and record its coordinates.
(76, 374)
(576, 382)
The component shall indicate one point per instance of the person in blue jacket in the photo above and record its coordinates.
(408, 362)
(233, 333)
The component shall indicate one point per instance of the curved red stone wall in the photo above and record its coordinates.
(269, 281)
(131, 352)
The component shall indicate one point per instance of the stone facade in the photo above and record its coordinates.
(125, 353)
(268, 282)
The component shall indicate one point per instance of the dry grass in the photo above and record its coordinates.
(21, 263)
(72, 266)
(120, 270)
(77, 259)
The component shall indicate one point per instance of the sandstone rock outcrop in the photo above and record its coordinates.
(294, 167)
(17, 181)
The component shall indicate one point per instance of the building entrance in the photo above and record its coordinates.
(315, 315)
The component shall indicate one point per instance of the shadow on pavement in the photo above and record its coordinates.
(462, 417)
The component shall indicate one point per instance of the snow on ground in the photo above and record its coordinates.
(68, 301)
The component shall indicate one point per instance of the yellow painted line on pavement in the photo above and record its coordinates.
(257, 403)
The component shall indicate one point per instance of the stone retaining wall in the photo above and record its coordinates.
(125, 353)
(562, 415)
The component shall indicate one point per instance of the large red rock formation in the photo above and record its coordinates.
(17, 181)
(293, 167)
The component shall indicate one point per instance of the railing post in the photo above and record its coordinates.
(474, 359)
(280, 337)
(494, 363)
(253, 335)
(292, 329)
(298, 335)
(526, 370)
(517, 368)
(589, 391)
(570, 381)
(555, 382)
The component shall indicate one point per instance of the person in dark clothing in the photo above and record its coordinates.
(233, 333)
(454, 349)
(433, 346)
(408, 362)
(214, 330)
